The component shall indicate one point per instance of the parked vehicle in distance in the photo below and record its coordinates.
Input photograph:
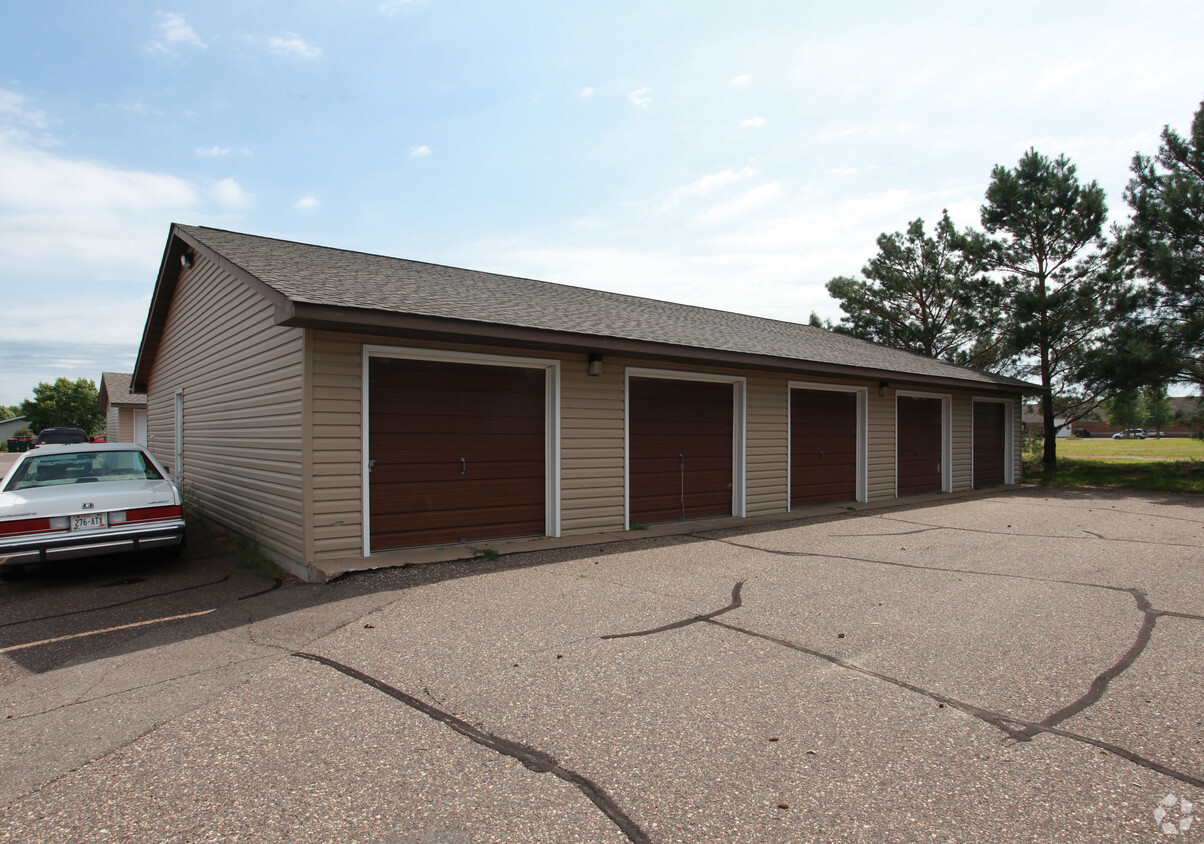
(1130, 433)
(101, 438)
(1082, 432)
(60, 436)
(84, 500)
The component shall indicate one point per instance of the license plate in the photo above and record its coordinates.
(92, 521)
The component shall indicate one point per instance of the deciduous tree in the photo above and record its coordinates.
(74, 404)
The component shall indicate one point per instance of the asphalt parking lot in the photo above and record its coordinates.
(1023, 666)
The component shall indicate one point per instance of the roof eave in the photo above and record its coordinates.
(368, 321)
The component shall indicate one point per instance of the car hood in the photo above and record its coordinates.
(67, 499)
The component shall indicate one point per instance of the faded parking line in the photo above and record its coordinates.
(12, 648)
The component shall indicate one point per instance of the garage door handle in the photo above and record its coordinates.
(463, 466)
(371, 463)
(822, 456)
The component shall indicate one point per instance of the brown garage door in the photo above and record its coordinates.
(918, 437)
(459, 452)
(823, 447)
(989, 444)
(680, 441)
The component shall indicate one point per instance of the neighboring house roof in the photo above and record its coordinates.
(115, 391)
(322, 287)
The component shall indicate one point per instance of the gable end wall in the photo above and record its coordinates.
(241, 376)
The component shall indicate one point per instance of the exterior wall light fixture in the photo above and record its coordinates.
(595, 364)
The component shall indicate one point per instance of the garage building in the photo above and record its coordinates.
(333, 404)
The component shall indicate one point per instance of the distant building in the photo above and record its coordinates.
(125, 412)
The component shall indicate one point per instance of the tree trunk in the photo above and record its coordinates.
(1049, 430)
(1050, 456)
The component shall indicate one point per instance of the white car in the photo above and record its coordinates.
(83, 500)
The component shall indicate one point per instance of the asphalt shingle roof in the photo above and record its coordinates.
(117, 385)
(321, 275)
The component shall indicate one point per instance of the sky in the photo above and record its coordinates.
(729, 155)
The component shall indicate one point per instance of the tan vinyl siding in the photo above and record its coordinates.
(125, 424)
(880, 445)
(767, 445)
(113, 426)
(591, 437)
(336, 379)
(963, 442)
(241, 377)
(591, 447)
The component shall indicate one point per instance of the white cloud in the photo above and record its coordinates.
(87, 218)
(639, 97)
(37, 181)
(307, 203)
(217, 151)
(742, 204)
(420, 151)
(230, 193)
(753, 122)
(14, 115)
(742, 79)
(294, 46)
(141, 109)
(586, 93)
(170, 32)
(713, 181)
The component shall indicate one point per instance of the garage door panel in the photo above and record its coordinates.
(919, 445)
(459, 451)
(823, 446)
(436, 498)
(516, 472)
(990, 444)
(457, 426)
(449, 527)
(671, 421)
(451, 449)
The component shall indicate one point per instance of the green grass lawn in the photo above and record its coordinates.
(1167, 465)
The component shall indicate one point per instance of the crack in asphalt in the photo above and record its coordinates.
(1142, 542)
(119, 603)
(531, 758)
(276, 584)
(736, 602)
(1018, 729)
(1100, 684)
(921, 567)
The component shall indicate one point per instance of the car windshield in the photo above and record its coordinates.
(82, 467)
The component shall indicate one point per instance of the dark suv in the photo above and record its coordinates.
(61, 436)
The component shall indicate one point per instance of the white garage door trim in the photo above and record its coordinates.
(946, 435)
(862, 432)
(551, 422)
(739, 414)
